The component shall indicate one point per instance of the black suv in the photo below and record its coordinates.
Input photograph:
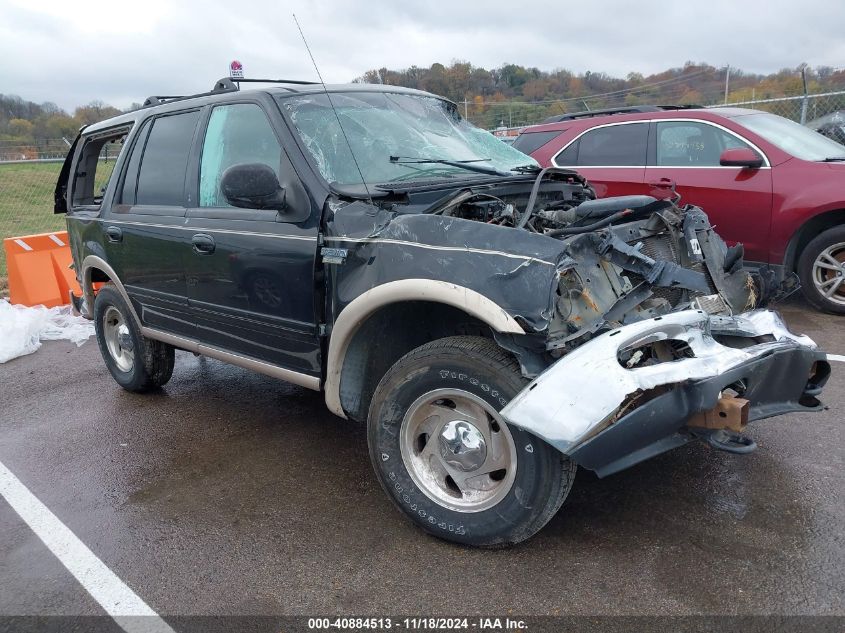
(493, 323)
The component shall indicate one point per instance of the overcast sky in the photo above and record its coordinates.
(72, 52)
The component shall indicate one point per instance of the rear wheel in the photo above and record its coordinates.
(821, 268)
(446, 457)
(134, 361)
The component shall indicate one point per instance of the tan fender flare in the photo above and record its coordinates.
(357, 312)
(91, 262)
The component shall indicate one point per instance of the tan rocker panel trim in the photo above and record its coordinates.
(303, 380)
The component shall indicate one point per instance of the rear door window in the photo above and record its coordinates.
(569, 156)
(614, 146)
(161, 178)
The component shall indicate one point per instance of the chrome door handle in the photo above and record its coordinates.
(114, 234)
(203, 244)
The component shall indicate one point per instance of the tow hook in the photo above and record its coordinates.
(730, 441)
(721, 427)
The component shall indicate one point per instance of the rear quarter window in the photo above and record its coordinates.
(530, 142)
(95, 167)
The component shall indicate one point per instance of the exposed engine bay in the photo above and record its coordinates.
(629, 258)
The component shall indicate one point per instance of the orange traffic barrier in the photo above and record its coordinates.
(38, 268)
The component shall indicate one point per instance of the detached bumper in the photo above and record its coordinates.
(591, 406)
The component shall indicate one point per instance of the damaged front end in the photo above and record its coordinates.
(640, 327)
(643, 328)
(644, 388)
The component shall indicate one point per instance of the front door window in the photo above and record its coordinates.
(236, 134)
(692, 144)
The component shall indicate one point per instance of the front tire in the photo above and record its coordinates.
(821, 268)
(136, 363)
(448, 460)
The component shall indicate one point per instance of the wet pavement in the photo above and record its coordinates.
(232, 493)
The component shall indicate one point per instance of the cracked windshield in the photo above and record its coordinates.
(396, 137)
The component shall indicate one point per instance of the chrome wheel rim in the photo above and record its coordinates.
(829, 273)
(458, 450)
(118, 339)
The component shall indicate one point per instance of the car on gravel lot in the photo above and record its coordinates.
(493, 323)
(765, 181)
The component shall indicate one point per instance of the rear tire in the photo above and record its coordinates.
(448, 460)
(136, 363)
(821, 268)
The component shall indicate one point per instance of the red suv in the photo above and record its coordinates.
(772, 184)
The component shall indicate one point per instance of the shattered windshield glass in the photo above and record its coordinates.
(395, 137)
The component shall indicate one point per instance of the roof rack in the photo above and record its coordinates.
(227, 84)
(298, 82)
(681, 106)
(621, 110)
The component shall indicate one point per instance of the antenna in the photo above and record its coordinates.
(336, 115)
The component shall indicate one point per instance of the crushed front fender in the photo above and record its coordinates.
(607, 412)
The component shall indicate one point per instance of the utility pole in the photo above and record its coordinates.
(727, 81)
(466, 115)
(804, 101)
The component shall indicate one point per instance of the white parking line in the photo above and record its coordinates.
(837, 357)
(118, 600)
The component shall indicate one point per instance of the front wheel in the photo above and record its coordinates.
(821, 268)
(446, 457)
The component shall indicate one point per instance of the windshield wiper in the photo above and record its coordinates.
(465, 164)
(526, 168)
(832, 159)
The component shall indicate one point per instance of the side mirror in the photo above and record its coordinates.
(741, 157)
(252, 186)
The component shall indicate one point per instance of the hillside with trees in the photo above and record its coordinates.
(510, 95)
(516, 95)
(30, 130)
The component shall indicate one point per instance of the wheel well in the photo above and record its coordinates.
(98, 275)
(809, 230)
(386, 336)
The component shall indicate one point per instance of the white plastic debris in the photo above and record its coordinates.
(23, 328)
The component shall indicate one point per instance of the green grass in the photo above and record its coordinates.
(26, 201)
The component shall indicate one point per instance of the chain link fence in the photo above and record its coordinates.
(27, 189)
(28, 173)
(41, 149)
(805, 109)
(824, 112)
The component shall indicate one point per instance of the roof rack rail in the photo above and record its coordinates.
(620, 110)
(681, 106)
(159, 99)
(298, 82)
(226, 84)
(604, 112)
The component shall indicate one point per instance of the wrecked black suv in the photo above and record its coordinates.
(493, 323)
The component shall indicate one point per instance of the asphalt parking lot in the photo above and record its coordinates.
(231, 493)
